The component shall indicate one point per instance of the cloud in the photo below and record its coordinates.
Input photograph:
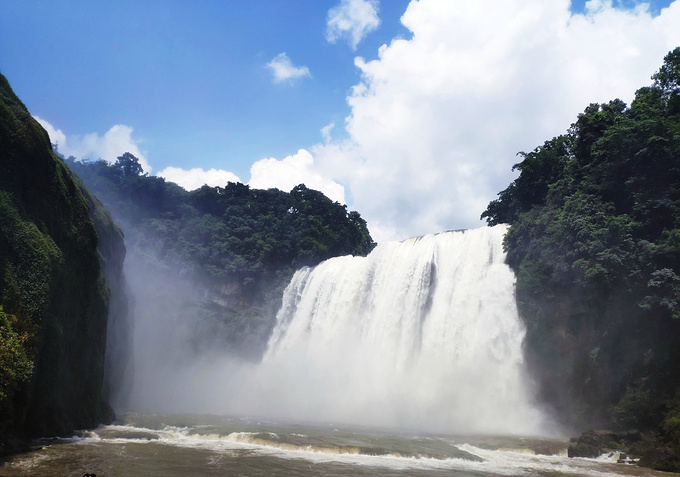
(284, 70)
(194, 178)
(115, 142)
(437, 120)
(57, 136)
(326, 132)
(352, 20)
(291, 171)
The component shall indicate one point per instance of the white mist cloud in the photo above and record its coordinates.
(115, 142)
(284, 70)
(437, 120)
(352, 20)
(293, 170)
(194, 178)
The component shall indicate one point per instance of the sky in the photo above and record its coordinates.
(410, 112)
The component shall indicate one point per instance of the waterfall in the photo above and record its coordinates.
(422, 333)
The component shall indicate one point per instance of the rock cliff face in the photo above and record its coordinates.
(56, 243)
(112, 252)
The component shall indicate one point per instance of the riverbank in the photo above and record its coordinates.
(645, 449)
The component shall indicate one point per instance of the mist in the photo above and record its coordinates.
(178, 336)
(421, 334)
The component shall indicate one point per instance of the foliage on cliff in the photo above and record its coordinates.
(242, 245)
(595, 243)
(53, 295)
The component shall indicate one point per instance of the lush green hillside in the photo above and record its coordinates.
(53, 294)
(595, 243)
(222, 254)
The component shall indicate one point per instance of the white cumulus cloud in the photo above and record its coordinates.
(437, 120)
(194, 178)
(284, 70)
(293, 170)
(352, 20)
(115, 142)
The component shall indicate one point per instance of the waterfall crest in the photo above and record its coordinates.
(422, 333)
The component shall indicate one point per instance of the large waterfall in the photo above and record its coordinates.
(422, 333)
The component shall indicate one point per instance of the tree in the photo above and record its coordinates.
(668, 79)
(128, 165)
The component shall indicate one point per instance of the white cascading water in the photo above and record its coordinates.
(422, 333)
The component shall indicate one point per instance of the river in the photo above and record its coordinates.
(182, 445)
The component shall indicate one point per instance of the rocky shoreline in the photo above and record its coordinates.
(633, 447)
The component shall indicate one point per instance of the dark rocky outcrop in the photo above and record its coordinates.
(645, 449)
(112, 253)
(593, 444)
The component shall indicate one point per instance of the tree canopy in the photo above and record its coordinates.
(226, 230)
(595, 243)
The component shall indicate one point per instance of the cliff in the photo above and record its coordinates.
(54, 296)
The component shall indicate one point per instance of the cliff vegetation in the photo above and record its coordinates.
(54, 296)
(595, 243)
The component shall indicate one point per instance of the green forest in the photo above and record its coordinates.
(595, 244)
(241, 244)
(226, 231)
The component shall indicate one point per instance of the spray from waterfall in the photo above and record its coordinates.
(421, 334)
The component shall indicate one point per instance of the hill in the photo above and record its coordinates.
(218, 255)
(595, 243)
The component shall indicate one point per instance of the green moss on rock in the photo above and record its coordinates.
(53, 294)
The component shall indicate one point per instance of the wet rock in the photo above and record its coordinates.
(592, 444)
(627, 459)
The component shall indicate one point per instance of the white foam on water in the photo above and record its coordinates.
(28, 462)
(495, 462)
(609, 457)
(507, 462)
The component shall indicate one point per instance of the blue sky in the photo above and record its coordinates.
(417, 135)
(189, 77)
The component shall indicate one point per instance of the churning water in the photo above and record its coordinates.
(179, 446)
